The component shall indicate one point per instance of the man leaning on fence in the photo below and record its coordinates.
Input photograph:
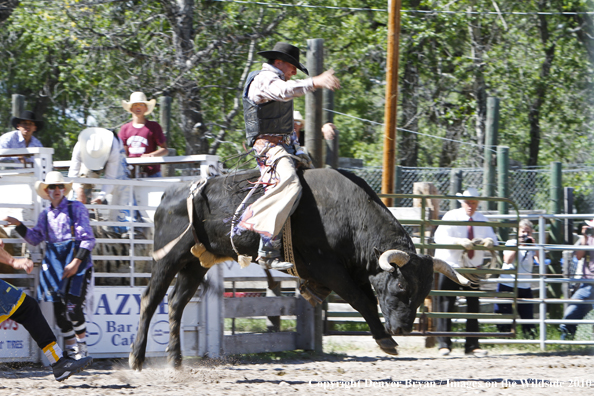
(467, 237)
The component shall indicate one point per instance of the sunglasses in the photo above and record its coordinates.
(54, 186)
(26, 123)
(299, 123)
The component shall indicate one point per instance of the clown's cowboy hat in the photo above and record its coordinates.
(139, 97)
(286, 52)
(52, 178)
(470, 192)
(27, 116)
(95, 147)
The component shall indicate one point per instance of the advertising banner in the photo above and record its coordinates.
(112, 327)
(15, 342)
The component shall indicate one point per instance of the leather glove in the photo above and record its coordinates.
(488, 243)
(465, 243)
(305, 161)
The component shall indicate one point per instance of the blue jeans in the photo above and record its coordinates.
(577, 311)
(158, 174)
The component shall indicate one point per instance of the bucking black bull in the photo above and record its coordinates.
(344, 239)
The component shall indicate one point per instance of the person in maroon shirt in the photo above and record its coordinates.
(141, 137)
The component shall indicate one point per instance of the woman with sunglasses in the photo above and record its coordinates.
(67, 266)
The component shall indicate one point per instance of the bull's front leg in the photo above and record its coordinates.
(360, 297)
(163, 274)
(188, 280)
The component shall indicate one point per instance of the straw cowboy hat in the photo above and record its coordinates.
(95, 147)
(27, 116)
(286, 52)
(52, 178)
(297, 116)
(139, 97)
(470, 192)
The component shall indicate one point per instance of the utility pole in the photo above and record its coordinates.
(391, 101)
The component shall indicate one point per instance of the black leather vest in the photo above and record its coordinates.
(270, 118)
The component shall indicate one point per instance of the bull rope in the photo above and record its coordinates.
(195, 188)
(288, 248)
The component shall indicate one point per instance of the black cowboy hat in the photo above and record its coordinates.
(27, 116)
(286, 52)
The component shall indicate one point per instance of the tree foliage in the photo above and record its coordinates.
(75, 60)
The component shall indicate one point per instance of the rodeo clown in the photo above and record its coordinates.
(268, 112)
(67, 266)
(16, 305)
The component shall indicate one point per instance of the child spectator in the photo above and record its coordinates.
(141, 137)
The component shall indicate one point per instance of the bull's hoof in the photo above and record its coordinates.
(388, 345)
(175, 362)
(134, 362)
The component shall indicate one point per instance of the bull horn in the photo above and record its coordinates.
(390, 257)
(444, 268)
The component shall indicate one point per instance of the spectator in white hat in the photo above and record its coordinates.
(97, 151)
(467, 237)
(141, 137)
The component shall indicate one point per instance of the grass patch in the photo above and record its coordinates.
(353, 326)
(251, 325)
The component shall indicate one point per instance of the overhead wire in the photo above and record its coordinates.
(409, 11)
(407, 130)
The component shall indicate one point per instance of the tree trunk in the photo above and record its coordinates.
(6, 8)
(480, 86)
(541, 87)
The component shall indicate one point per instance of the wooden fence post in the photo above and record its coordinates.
(455, 186)
(432, 204)
(18, 105)
(313, 104)
(491, 130)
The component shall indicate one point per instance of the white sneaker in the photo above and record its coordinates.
(444, 351)
(478, 352)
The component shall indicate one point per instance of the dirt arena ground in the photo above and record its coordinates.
(352, 366)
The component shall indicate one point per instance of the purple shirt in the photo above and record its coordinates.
(58, 226)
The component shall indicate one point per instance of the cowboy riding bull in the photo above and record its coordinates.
(344, 239)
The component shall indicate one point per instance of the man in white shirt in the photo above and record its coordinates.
(464, 236)
(268, 113)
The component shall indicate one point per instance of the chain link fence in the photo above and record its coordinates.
(528, 188)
